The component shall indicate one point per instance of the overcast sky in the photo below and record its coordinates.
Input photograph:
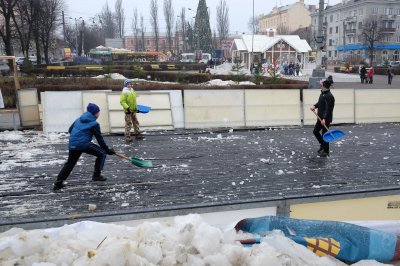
(240, 11)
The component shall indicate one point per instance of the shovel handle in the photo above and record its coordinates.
(123, 156)
(327, 129)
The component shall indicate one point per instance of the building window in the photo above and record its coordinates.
(330, 30)
(147, 42)
(331, 18)
(398, 11)
(396, 56)
(336, 53)
(354, 13)
(337, 17)
(388, 11)
(330, 42)
(385, 55)
(330, 53)
(375, 10)
(397, 38)
(360, 12)
(360, 25)
(337, 29)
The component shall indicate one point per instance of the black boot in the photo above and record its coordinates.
(98, 177)
(58, 185)
(320, 149)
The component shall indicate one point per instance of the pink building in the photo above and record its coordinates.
(148, 42)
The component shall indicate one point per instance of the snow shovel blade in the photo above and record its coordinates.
(144, 109)
(332, 135)
(141, 163)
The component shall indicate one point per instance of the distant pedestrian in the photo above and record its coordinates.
(297, 69)
(390, 74)
(363, 72)
(325, 105)
(371, 75)
(128, 102)
(80, 141)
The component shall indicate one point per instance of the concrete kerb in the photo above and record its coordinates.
(282, 209)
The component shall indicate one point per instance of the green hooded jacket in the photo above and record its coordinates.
(128, 100)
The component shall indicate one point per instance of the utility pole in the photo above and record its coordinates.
(252, 45)
(63, 23)
(318, 73)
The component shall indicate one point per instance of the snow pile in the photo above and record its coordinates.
(188, 241)
(226, 69)
(111, 76)
(219, 82)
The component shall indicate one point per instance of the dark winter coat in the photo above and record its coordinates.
(325, 105)
(82, 131)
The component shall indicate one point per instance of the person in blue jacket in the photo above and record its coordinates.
(80, 141)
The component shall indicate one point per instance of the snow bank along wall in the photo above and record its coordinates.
(211, 108)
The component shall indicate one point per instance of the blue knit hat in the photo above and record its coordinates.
(93, 108)
(127, 81)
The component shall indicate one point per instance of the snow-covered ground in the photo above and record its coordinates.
(183, 240)
(188, 240)
(226, 69)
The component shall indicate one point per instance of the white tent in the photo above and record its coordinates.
(270, 48)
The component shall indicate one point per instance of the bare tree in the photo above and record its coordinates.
(49, 18)
(71, 37)
(169, 20)
(108, 22)
(23, 24)
(135, 27)
(7, 11)
(120, 18)
(371, 34)
(256, 24)
(154, 20)
(143, 31)
(222, 21)
(183, 28)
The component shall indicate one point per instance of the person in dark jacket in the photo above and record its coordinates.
(325, 105)
(363, 72)
(80, 141)
(390, 75)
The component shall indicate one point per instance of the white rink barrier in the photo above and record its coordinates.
(28, 106)
(377, 105)
(216, 108)
(160, 116)
(272, 107)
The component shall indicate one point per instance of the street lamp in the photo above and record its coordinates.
(252, 44)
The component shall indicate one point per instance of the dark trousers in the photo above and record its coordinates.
(390, 77)
(317, 129)
(73, 157)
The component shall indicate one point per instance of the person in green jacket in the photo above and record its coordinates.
(128, 102)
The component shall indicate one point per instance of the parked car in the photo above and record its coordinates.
(19, 60)
(394, 63)
(4, 68)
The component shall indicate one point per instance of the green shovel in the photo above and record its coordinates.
(136, 161)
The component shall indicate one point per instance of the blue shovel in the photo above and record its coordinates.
(143, 109)
(330, 135)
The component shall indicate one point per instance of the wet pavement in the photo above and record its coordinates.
(194, 169)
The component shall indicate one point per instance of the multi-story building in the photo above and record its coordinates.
(147, 42)
(343, 26)
(287, 19)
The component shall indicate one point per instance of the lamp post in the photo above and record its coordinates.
(318, 73)
(252, 44)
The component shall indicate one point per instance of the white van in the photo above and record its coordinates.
(187, 58)
(205, 58)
